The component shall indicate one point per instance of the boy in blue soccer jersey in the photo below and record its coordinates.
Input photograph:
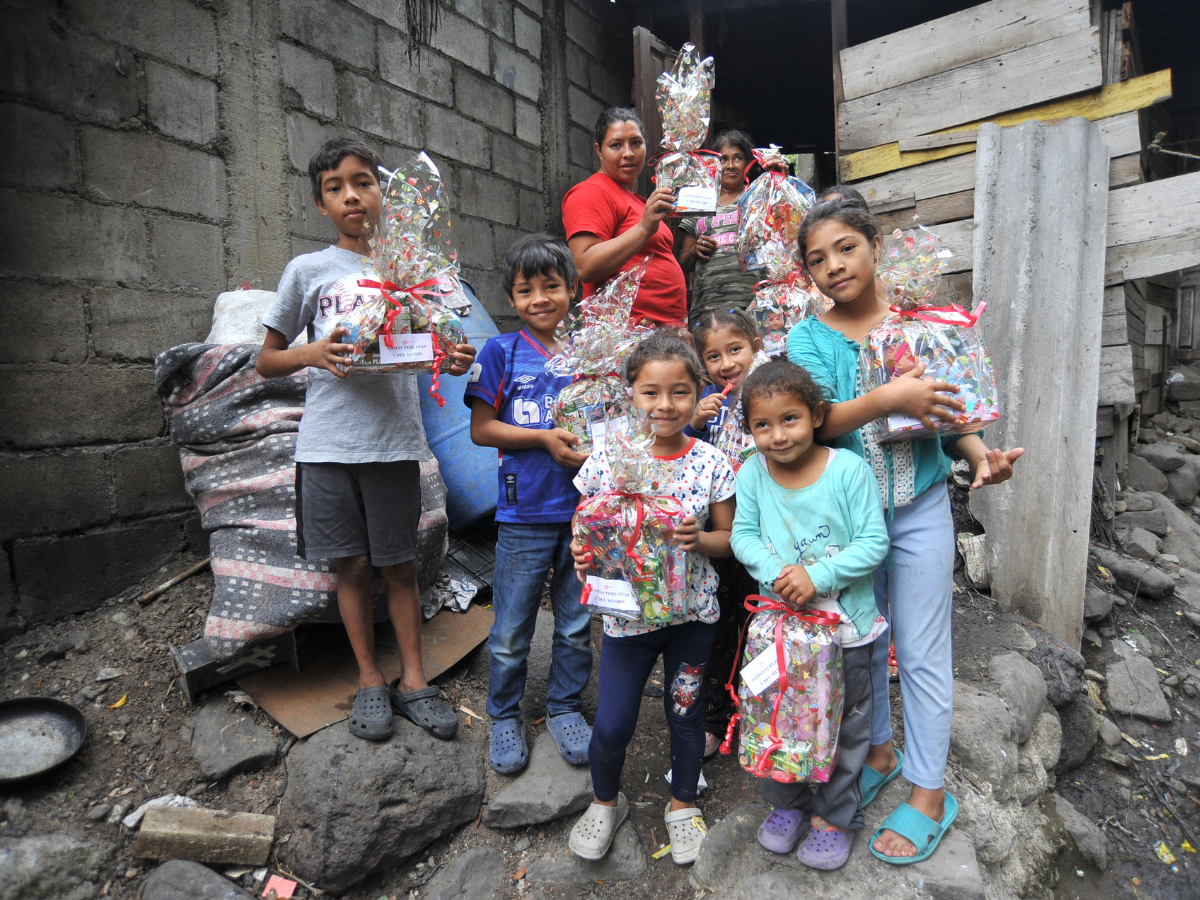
(510, 394)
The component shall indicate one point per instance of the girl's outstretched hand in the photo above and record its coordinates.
(582, 557)
(911, 395)
(687, 534)
(795, 587)
(996, 466)
(706, 409)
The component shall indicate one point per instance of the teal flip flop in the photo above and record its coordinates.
(920, 829)
(872, 782)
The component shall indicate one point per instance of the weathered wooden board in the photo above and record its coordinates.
(1155, 210)
(1064, 65)
(945, 208)
(1109, 101)
(956, 40)
(1146, 258)
(1116, 376)
(1115, 329)
(959, 238)
(1124, 170)
(1043, 279)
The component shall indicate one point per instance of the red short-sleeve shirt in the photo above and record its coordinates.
(600, 206)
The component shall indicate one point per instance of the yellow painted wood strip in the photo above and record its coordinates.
(1111, 100)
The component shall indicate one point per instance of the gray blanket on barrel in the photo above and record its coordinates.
(236, 433)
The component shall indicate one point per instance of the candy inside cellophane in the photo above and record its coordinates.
(770, 213)
(952, 352)
(911, 267)
(639, 573)
(731, 438)
(684, 98)
(691, 177)
(810, 713)
(779, 306)
(595, 341)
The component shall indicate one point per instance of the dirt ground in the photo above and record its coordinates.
(134, 752)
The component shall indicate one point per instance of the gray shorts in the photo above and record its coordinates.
(357, 509)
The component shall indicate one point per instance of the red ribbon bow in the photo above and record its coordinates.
(668, 505)
(417, 291)
(942, 315)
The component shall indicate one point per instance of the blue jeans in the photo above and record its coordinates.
(914, 590)
(524, 556)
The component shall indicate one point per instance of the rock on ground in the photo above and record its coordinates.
(181, 880)
(50, 866)
(1132, 689)
(1080, 726)
(983, 736)
(1184, 482)
(1164, 457)
(549, 788)
(1110, 732)
(1022, 689)
(625, 860)
(952, 873)
(1154, 521)
(1097, 602)
(355, 807)
(226, 742)
(1037, 757)
(1184, 538)
(1141, 544)
(1088, 838)
(1136, 576)
(474, 875)
(1143, 476)
(1061, 667)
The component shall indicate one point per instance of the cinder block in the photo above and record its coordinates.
(56, 406)
(534, 6)
(489, 288)
(205, 835)
(41, 323)
(38, 150)
(388, 11)
(529, 122)
(506, 237)
(10, 623)
(517, 71)
(305, 135)
(186, 255)
(341, 32)
(194, 534)
(610, 86)
(578, 67)
(303, 245)
(148, 171)
(528, 33)
(532, 213)
(181, 105)
(58, 576)
(306, 219)
(487, 196)
(514, 160)
(473, 240)
(451, 135)
(585, 31)
(581, 147)
(380, 109)
(428, 76)
(494, 15)
(584, 108)
(130, 324)
(89, 78)
(462, 41)
(62, 238)
(148, 481)
(311, 77)
(174, 30)
(53, 492)
(482, 98)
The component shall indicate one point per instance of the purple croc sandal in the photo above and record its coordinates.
(826, 850)
(780, 831)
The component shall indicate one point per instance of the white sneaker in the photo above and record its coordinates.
(686, 829)
(593, 833)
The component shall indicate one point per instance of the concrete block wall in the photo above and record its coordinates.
(156, 156)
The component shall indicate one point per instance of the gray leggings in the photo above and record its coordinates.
(836, 801)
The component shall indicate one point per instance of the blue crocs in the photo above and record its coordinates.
(572, 733)
(509, 752)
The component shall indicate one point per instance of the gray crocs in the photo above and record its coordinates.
(371, 717)
(426, 709)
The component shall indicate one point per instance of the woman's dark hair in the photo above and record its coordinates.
(330, 155)
(847, 195)
(737, 320)
(854, 217)
(663, 346)
(613, 115)
(732, 137)
(538, 254)
(780, 376)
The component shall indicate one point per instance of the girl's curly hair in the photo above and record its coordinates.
(780, 376)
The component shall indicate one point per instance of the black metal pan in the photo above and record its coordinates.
(37, 735)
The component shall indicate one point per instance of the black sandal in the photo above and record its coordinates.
(371, 717)
(426, 709)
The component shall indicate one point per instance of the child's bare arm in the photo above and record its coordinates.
(488, 431)
(909, 394)
(988, 466)
(276, 360)
(715, 543)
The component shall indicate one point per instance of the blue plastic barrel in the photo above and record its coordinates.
(469, 471)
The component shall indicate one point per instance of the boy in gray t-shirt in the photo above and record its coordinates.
(360, 449)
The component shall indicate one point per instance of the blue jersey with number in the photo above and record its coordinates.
(510, 374)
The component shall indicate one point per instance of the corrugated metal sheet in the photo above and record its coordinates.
(1041, 202)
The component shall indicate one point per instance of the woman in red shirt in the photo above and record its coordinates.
(609, 225)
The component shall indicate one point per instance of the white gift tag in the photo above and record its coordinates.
(597, 430)
(762, 671)
(613, 594)
(903, 423)
(695, 198)
(407, 348)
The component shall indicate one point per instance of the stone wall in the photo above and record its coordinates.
(156, 155)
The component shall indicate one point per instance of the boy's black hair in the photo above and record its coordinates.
(738, 320)
(852, 216)
(538, 254)
(330, 155)
(844, 194)
(664, 346)
(780, 376)
(612, 115)
(732, 137)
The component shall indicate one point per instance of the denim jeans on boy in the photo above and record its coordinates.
(524, 556)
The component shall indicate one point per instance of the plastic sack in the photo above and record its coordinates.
(639, 572)
(732, 439)
(946, 340)
(770, 213)
(911, 267)
(778, 306)
(791, 693)
(237, 318)
(684, 98)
